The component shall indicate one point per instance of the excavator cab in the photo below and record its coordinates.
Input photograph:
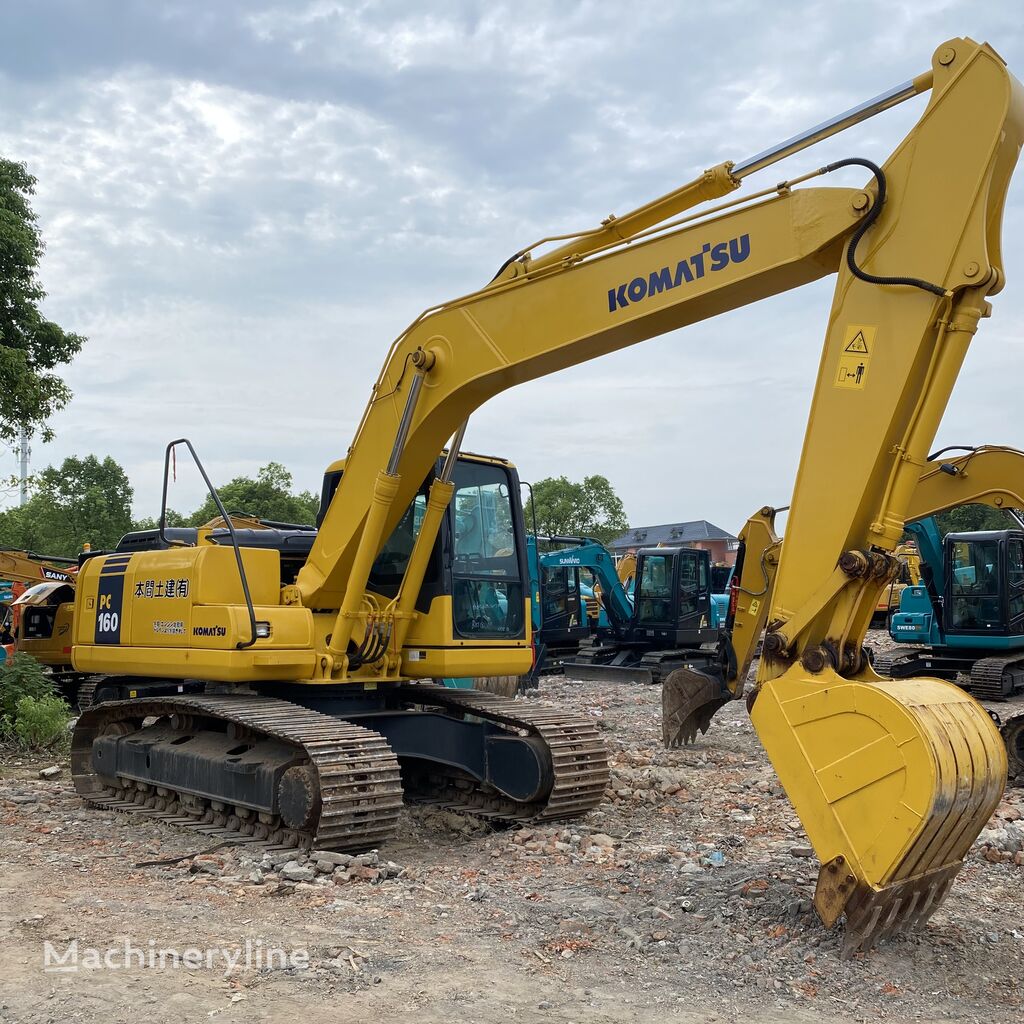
(985, 583)
(673, 596)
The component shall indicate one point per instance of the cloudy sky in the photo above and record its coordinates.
(243, 203)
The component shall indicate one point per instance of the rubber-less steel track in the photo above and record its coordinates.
(86, 693)
(358, 774)
(885, 661)
(987, 677)
(579, 757)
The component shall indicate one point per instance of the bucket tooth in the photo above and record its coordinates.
(893, 783)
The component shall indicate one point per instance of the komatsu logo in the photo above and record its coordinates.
(710, 259)
(209, 631)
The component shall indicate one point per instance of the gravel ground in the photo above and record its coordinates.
(686, 896)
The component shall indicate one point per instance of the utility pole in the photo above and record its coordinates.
(23, 470)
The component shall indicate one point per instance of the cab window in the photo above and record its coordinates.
(974, 583)
(487, 590)
(655, 589)
(390, 565)
(693, 581)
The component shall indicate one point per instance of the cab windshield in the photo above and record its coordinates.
(974, 581)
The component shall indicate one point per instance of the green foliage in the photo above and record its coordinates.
(84, 500)
(151, 522)
(587, 509)
(965, 518)
(38, 723)
(90, 501)
(30, 345)
(268, 496)
(21, 676)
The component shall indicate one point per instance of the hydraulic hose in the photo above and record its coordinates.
(869, 219)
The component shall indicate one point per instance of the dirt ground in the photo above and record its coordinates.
(685, 897)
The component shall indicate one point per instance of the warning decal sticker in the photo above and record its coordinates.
(855, 356)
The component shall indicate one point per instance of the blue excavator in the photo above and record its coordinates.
(674, 615)
(622, 641)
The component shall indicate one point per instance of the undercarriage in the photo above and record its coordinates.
(328, 768)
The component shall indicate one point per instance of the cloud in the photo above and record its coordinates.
(244, 203)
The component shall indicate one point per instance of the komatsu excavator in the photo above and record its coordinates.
(317, 686)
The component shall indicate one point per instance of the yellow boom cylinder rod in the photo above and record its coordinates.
(384, 490)
(712, 184)
(438, 499)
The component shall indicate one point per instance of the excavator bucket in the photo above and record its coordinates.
(893, 781)
(689, 700)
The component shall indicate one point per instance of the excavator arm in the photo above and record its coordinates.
(990, 475)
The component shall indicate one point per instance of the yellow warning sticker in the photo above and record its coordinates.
(754, 605)
(859, 340)
(852, 373)
(858, 346)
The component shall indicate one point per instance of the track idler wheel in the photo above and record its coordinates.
(689, 700)
(893, 782)
(298, 795)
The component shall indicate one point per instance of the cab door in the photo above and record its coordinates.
(693, 589)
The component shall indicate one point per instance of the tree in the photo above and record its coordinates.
(153, 523)
(30, 345)
(82, 501)
(965, 518)
(269, 496)
(587, 509)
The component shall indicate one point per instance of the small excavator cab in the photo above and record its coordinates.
(673, 595)
(984, 593)
(562, 609)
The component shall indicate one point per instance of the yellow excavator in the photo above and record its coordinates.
(317, 683)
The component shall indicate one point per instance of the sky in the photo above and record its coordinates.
(244, 203)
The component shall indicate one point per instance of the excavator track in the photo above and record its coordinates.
(579, 757)
(652, 668)
(884, 661)
(987, 677)
(352, 774)
(1007, 709)
(86, 694)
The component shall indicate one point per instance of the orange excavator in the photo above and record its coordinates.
(20, 572)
